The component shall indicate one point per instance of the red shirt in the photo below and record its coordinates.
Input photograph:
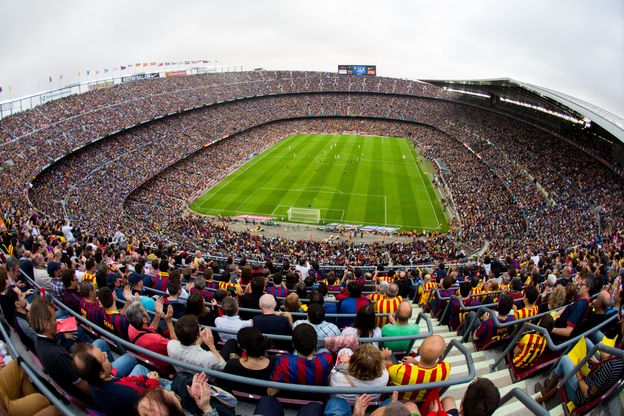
(151, 340)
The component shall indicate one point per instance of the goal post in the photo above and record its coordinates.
(309, 215)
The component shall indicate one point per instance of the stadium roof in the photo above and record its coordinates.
(533, 96)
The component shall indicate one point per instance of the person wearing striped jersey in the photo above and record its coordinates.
(425, 368)
(489, 331)
(456, 315)
(448, 290)
(532, 345)
(427, 286)
(90, 307)
(380, 293)
(389, 304)
(160, 283)
(530, 308)
(115, 320)
(89, 275)
(305, 365)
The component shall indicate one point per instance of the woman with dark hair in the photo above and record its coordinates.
(364, 325)
(253, 362)
(195, 306)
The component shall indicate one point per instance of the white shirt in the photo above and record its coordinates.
(353, 331)
(67, 233)
(230, 322)
(42, 278)
(340, 379)
(303, 270)
(193, 354)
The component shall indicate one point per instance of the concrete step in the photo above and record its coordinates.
(500, 379)
(481, 367)
(514, 408)
(459, 359)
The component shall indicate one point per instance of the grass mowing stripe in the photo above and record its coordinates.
(370, 181)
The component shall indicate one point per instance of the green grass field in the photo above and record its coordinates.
(350, 179)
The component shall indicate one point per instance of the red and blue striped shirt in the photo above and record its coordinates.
(295, 369)
(117, 324)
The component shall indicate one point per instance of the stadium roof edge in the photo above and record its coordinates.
(608, 121)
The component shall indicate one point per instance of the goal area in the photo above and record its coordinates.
(309, 215)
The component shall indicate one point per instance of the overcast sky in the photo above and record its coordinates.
(572, 46)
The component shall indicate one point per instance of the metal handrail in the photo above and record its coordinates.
(413, 338)
(32, 375)
(524, 398)
(472, 295)
(549, 342)
(277, 385)
(596, 348)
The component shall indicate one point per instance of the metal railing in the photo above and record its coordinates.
(278, 385)
(527, 326)
(32, 375)
(524, 398)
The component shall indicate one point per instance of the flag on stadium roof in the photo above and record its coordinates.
(50, 79)
(123, 68)
(160, 64)
(0, 89)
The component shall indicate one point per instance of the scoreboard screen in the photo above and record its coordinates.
(357, 69)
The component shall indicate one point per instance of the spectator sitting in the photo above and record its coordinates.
(364, 367)
(481, 398)
(163, 275)
(113, 282)
(272, 322)
(251, 298)
(316, 318)
(187, 346)
(516, 288)
(197, 307)
(580, 388)
(389, 304)
(115, 396)
(17, 299)
(253, 363)
(400, 326)
(174, 288)
(114, 320)
(90, 307)
(549, 286)
(532, 345)
(71, 295)
(364, 325)
(427, 368)
(305, 365)
(89, 275)
(208, 279)
(54, 271)
(456, 315)
(42, 278)
(230, 319)
(530, 308)
(572, 315)
(351, 304)
(136, 283)
(146, 336)
(278, 289)
(55, 359)
(293, 305)
(199, 286)
(488, 331)
(601, 310)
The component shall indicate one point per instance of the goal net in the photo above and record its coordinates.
(310, 215)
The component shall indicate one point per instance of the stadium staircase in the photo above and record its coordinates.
(482, 361)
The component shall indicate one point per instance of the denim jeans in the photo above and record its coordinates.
(566, 366)
(124, 365)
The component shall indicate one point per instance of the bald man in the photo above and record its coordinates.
(400, 326)
(271, 322)
(602, 310)
(422, 369)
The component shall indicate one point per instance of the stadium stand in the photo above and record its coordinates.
(125, 162)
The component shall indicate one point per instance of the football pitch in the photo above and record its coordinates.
(349, 179)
